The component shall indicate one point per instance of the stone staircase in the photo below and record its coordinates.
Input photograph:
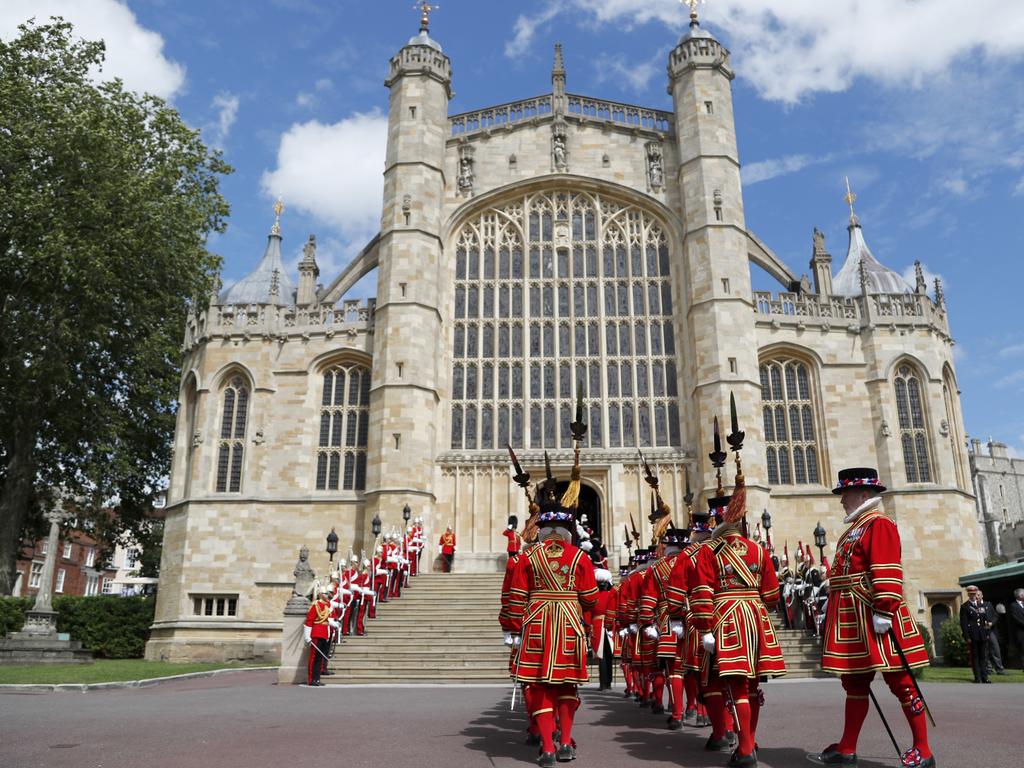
(444, 629)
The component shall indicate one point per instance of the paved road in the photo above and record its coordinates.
(243, 720)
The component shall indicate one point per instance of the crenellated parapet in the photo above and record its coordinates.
(423, 59)
(271, 321)
(854, 314)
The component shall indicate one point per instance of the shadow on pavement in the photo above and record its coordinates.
(499, 732)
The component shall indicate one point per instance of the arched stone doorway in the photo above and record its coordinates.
(589, 505)
(940, 615)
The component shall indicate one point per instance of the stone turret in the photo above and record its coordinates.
(717, 287)
(405, 416)
(821, 265)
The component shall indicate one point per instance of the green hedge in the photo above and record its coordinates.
(111, 627)
(12, 613)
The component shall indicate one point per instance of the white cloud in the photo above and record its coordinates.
(634, 77)
(134, 53)
(226, 105)
(763, 170)
(310, 99)
(334, 172)
(1013, 380)
(789, 49)
(1013, 350)
(955, 184)
(1019, 189)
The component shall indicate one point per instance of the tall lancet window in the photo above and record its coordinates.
(344, 421)
(787, 408)
(556, 291)
(231, 448)
(913, 432)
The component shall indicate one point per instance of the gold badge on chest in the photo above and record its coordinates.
(554, 551)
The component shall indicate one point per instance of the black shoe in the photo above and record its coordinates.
(987, 681)
(556, 736)
(627, 694)
(733, 739)
(745, 761)
(566, 753)
(832, 756)
(912, 759)
(718, 745)
(532, 740)
(546, 760)
(658, 709)
(675, 725)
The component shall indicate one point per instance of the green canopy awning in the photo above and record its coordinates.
(995, 573)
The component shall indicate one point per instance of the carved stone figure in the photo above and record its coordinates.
(819, 241)
(558, 152)
(304, 575)
(655, 172)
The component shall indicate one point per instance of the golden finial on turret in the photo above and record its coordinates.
(278, 210)
(693, 10)
(850, 200)
(425, 8)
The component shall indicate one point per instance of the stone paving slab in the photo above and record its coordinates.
(249, 722)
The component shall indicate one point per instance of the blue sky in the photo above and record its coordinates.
(920, 102)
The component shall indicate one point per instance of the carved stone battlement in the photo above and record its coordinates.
(273, 321)
(907, 309)
(699, 52)
(420, 58)
(584, 108)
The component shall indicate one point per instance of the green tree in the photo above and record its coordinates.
(107, 202)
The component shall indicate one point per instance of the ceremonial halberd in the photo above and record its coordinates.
(526, 249)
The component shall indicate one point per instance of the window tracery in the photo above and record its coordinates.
(344, 422)
(231, 446)
(556, 291)
(913, 432)
(788, 412)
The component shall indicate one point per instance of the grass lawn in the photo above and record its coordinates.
(964, 675)
(101, 671)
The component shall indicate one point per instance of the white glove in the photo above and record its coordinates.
(881, 624)
(511, 528)
(623, 632)
(677, 628)
(508, 638)
(708, 641)
(307, 634)
(333, 624)
(517, 640)
(652, 632)
(632, 629)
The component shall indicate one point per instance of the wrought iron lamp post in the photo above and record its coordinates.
(819, 541)
(332, 544)
(766, 523)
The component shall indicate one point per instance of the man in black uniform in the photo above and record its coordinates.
(975, 627)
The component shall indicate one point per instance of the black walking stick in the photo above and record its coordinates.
(909, 671)
(885, 722)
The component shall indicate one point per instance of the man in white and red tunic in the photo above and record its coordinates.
(866, 616)
(657, 625)
(515, 541)
(553, 590)
(734, 586)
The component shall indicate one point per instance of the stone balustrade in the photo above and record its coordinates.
(915, 309)
(275, 321)
(583, 108)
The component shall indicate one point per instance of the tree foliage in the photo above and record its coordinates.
(108, 200)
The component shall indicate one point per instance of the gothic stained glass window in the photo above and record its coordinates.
(588, 281)
(344, 423)
(913, 432)
(231, 446)
(788, 410)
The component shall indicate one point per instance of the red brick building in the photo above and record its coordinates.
(77, 571)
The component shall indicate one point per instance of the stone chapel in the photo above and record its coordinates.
(525, 250)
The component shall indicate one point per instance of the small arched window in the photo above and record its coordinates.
(231, 447)
(913, 432)
(344, 423)
(787, 408)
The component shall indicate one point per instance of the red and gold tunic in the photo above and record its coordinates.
(552, 587)
(506, 584)
(866, 577)
(734, 584)
(602, 620)
(678, 590)
(626, 615)
(654, 607)
(447, 543)
(317, 617)
(515, 541)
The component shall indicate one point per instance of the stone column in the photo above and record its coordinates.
(42, 619)
(294, 659)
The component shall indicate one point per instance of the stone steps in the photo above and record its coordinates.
(444, 629)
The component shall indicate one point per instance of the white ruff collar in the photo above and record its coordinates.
(871, 503)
